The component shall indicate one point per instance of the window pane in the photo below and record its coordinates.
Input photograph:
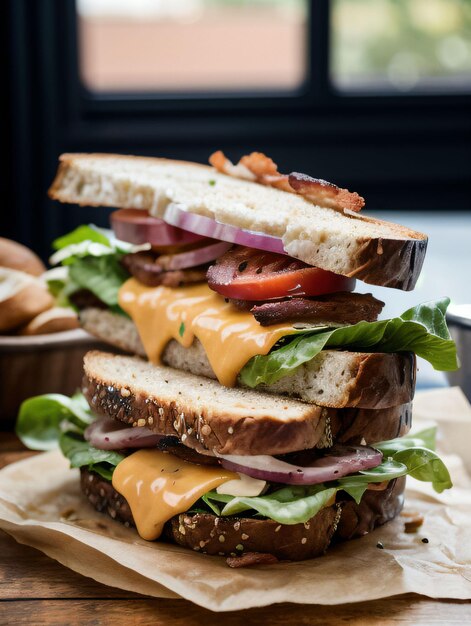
(192, 45)
(401, 45)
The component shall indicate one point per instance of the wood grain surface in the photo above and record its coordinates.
(36, 590)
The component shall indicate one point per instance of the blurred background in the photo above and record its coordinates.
(374, 95)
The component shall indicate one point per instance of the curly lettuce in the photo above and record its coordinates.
(92, 257)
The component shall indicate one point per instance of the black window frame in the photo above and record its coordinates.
(363, 141)
(317, 93)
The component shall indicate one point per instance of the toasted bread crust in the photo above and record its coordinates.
(202, 413)
(375, 251)
(219, 428)
(377, 380)
(202, 531)
(399, 266)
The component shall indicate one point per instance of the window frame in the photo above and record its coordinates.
(358, 141)
(316, 98)
(317, 90)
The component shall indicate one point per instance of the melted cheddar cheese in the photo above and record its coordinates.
(229, 337)
(158, 485)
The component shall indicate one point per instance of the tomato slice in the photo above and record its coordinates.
(247, 274)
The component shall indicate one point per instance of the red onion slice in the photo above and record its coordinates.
(339, 461)
(208, 227)
(138, 227)
(193, 258)
(109, 434)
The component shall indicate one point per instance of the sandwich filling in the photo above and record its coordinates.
(254, 341)
(229, 337)
(160, 477)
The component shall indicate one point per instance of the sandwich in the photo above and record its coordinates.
(258, 409)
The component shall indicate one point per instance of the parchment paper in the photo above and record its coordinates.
(41, 505)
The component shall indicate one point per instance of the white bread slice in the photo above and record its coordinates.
(377, 252)
(206, 416)
(333, 379)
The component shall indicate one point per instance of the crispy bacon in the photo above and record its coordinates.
(325, 194)
(85, 299)
(251, 558)
(413, 521)
(257, 167)
(266, 171)
(144, 266)
(339, 308)
(220, 162)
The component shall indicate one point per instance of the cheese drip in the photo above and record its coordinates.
(229, 337)
(158, 485)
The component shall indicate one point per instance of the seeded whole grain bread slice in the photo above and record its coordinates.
(208, 417)
(333, 378)
(234, 536)
(375, 251)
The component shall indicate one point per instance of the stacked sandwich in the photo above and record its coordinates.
(264, 412)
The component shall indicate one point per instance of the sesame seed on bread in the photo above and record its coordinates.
(208, 417)
(202, 532)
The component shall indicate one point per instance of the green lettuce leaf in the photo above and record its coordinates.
(212, 497)
(427, 466)
(53, 420)
(421, 329)
(42, 419)
(80, 234)
(356, 484)
(89, 241)
(81, 454)
(92, 256)
(417, 453)
(423, 439)
(290, 505)
(297, 504)
(102, 275)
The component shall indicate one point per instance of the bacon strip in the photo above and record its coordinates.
(339, 308)
(251, 558)
(220, 162)
(325, 194)
(257, 167)
(144, 266)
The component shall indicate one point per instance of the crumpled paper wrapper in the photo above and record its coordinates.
(41, 506)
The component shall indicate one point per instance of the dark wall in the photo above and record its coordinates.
(400, 152)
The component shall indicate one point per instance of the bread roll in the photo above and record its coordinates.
(18, 257)
(22, 297)
(53, 320)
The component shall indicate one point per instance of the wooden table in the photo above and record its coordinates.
(36, 590)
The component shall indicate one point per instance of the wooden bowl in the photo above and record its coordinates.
(30, 366)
